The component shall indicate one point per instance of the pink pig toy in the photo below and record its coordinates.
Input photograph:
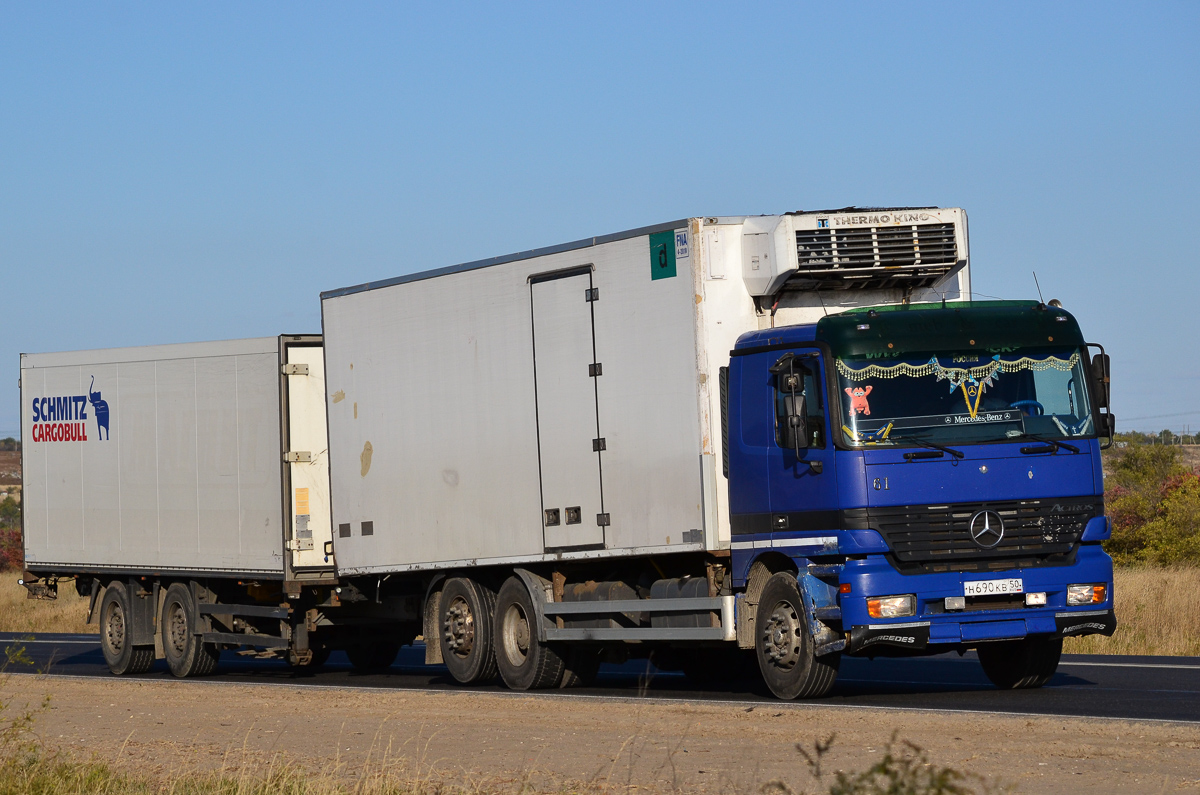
(858, 400)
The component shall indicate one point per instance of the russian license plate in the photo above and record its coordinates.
(991, 587)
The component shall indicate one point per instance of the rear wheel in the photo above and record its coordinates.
(1019, 664)
(116, 634)
(525, 663)
(187, 655)
(784, 645)
(466, 610)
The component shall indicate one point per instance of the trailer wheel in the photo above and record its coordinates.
(784, 646)
(1019, 664)
(373, 657)
(525, 663)
(187, 655)
(116, 634)
(466, 625)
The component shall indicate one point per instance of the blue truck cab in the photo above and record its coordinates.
(930, 476)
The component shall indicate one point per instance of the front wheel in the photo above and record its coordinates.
(1020, 664)
(116, 634)
(784, 645)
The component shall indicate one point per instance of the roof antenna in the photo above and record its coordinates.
(1039, 288)
(822, 300)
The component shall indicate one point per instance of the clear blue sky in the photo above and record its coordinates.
(174, 172)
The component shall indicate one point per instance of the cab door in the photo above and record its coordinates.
(307, 455)
(803, 488)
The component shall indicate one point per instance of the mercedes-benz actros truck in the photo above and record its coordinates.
(778, 439)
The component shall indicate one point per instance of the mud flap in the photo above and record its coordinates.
(908, 636)
(1102, 622)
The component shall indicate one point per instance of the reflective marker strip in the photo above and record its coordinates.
(779, 543)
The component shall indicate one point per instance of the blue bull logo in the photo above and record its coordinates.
(100, 406)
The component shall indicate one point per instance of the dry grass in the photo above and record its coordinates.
(1156, 610)
(20, 614)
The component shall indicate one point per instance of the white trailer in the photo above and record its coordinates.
(184, 482)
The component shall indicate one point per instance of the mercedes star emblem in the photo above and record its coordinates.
(986, 529)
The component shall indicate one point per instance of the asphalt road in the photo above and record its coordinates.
(1144, 688)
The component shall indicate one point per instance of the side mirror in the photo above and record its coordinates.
(1110, 429)
(1100, 379)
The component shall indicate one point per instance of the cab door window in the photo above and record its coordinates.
(808, 386)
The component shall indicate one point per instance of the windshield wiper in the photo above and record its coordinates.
(931, 445)
(1055, 445)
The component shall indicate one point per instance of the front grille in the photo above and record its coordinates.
(936, 538)
(874, 256)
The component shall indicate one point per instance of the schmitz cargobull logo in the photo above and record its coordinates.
(64, 418)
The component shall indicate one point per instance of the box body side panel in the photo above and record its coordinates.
(154, 464)
(434, 416)
(432, 425)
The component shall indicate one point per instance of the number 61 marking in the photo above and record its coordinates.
(881, 484)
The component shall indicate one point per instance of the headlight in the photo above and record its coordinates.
(1086, 594)
(891, 606)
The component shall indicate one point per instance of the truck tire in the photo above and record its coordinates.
(373, 657)
(1019, 664)
(187, 655)
(467, 608)
(116, 634)
(525, 663)
(784, 645)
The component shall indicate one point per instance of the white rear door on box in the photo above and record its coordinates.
(311, 526)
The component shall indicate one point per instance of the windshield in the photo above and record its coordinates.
(964, 397)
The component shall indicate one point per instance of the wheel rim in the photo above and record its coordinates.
(781, 636)
(177, 629)
(515, 628)
(460, 627)
(114, 628)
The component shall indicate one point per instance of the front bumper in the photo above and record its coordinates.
(926, 636)
(932, 630)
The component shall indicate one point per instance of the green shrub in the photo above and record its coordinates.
(12, 550)
(1154, 504)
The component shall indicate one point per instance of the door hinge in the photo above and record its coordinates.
(598, 445)
(294, 369)
(595, 369)
(298, 457)
(592, 294)
(602, 519)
